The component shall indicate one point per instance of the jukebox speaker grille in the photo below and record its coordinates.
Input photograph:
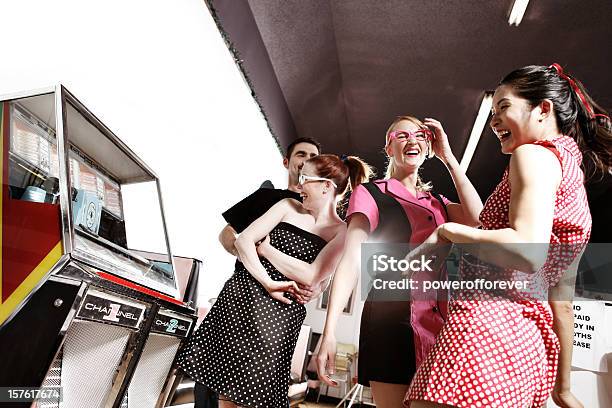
(53, 379)
(152, 370)
(92, 353)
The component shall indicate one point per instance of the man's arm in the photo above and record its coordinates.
(241, 214)
(227, 238)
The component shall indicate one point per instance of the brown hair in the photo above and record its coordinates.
(347, 171)
(421, 185)
(299, 140)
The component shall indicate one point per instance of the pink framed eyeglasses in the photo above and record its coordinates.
(401, 135)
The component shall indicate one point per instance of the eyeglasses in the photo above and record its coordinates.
(304, 178)
(401, 135)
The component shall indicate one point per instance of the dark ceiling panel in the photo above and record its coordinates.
(299, 37)
(345, 69)
(241, 35)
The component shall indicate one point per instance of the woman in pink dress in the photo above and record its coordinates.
(396, 334)
(513, 349)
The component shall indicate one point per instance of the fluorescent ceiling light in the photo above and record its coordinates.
(477, 129)
(517, 11)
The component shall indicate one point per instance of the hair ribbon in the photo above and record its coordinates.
(577, 91)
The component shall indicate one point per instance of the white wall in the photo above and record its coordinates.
(347, 328)
(160, 76)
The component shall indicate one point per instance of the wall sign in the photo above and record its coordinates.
(590, 346)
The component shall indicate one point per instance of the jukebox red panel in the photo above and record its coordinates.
(30, 226)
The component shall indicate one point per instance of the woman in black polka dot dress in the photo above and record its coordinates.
(243, 348)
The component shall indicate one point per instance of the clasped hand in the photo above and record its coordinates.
(435, 247)
(277, 289)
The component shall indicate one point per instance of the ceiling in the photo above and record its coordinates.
(340, 71)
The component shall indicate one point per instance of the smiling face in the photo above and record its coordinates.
(301, 152)
(407, 152)
(514, 120)
(315, 193)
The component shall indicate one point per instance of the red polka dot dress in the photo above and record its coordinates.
(502, 352)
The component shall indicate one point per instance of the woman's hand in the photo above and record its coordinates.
(439, 144)
(326, 360)
(277, 290)
(565, 399)
(307, 293)
(435, 247)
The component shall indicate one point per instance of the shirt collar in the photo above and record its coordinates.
(397, 189)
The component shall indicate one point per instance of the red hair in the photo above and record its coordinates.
(349, 170)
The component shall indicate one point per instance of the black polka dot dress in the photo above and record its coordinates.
(244, 346)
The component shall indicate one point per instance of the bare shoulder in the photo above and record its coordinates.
(532, 154)
(291, 204)
(534, 162)
(284, 207)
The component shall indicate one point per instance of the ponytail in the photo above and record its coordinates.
(347, 172)
(592, 131)
(359, 171)
(576, 113)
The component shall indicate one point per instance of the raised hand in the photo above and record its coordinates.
(439, 144)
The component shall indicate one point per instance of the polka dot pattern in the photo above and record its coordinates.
(244, 346)
(503, 353)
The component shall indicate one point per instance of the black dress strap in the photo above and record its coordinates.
(439, 198)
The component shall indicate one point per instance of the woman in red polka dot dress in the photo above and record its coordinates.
(513, 350)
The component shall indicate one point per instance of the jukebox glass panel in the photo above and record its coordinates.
(115, 205)
(33, 160)
(145, 227)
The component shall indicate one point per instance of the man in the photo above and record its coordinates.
(242, 214)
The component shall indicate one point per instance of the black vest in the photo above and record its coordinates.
(393, 224)
(393, 228)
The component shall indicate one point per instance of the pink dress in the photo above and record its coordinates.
(503, 353)
(386, 327)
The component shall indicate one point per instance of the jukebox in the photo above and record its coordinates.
(80, 309)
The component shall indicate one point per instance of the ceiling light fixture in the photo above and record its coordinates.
(477, 129)
(517, 11)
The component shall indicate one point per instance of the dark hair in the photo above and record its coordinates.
(350, 170)
(588, 125)
(292, 145)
